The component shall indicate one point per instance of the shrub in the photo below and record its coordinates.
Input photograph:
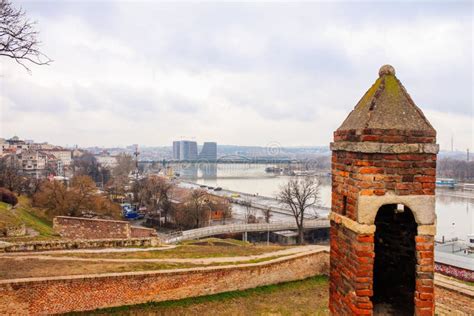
(8, 196)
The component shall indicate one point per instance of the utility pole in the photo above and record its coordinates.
(468, 155)
(136, 153)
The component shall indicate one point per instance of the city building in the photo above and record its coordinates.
(188, 150)
(13, 145)
(107, 161)
(185, 150)
(3, 143)
(208, 151)
(37, 163)
(42, 146)
(176, 150)
(64, 155)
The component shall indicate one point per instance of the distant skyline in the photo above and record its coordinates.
(265, 74)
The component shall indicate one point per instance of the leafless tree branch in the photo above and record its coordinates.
(300, 194)
(18, 37)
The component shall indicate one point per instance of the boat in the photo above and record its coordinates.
(446, 183)
(273, 170)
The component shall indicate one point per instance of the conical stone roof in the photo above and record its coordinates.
(386, 106)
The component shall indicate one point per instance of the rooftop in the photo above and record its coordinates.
(386, 105)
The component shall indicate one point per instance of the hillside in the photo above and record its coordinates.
(23, 213)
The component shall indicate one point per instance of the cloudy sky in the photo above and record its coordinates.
(238, 73)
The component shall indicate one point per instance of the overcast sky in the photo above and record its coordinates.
(245, 74)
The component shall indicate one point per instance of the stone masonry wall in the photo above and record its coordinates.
(88, 292)
(86, 228)
(58, 244)
(14, 231)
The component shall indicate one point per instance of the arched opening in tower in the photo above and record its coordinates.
(395, 261)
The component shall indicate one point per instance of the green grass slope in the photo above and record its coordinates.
(24, 213)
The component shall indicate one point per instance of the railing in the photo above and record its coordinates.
(241, 228)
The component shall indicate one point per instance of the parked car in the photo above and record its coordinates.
(218, 189)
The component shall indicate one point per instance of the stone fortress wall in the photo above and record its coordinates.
(86, 228)
(53, 295)
(34, 296)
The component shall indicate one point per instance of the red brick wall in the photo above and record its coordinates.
(424, 292)
(142, 232)
(357, 174)
(450, 301)
(82, 293)
(351, 276)
(87, 228)
(386, 136)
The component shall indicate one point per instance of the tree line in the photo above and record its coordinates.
(461, 170)
(80, 197)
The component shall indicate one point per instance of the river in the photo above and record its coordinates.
(454, 209)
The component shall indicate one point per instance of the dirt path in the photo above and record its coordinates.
(201, 261)
(104, 250)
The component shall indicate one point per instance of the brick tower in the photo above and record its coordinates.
(383, 206)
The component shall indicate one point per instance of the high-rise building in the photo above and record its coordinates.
(185, 150)
(188, 150)
(208, 151)
(176, 150)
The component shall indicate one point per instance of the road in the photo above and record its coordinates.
(258, 202)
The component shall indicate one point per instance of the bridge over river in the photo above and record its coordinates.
(260, 202)
(242, 228)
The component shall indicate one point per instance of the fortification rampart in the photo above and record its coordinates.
(87, 228)
(52, 295)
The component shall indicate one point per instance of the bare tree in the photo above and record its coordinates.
(125, 165)
(153, 192)
(18, 37)
(249, 211)
(225, 208)
(10, 174)
(164, 201)
(300, 194)
(194, 212)
(267, 214)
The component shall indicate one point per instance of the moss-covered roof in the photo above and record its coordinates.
(386, 105)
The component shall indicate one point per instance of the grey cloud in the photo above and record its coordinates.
(28, 97)
(295, 68)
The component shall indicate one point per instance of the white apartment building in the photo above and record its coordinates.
(64, 155)
(107, 161)
(12, 146)
(32, 160)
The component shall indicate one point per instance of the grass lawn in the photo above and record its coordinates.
(209, 248)
(7, 218)
(306, 297)
(26, 268)
(30, 267)
(24, 213)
